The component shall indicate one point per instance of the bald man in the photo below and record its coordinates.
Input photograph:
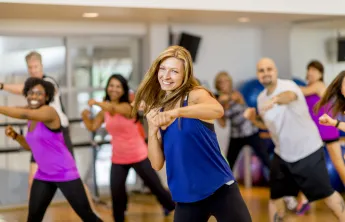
(298, 163)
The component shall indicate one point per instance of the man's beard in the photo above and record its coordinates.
(267, 81)
(266, 84)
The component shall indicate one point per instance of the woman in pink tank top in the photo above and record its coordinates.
(56, 166)
(129, 147)
(329, 134)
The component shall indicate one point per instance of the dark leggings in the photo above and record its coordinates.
(254, 141)
(42, 193)
(118, 178)
(226, 205)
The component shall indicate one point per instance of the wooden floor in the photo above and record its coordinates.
(144, 208)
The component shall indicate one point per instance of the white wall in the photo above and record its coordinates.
(276, 45)
(307, 44)
(230, 48)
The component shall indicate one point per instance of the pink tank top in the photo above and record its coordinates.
(128, 144)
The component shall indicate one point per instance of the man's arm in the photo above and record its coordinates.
(285, 97)
(12, 88)
(280, 99)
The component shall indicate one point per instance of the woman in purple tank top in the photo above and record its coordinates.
(56, 165)
(329, 134)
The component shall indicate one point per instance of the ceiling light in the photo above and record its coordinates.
(243, 19)
(90, 15)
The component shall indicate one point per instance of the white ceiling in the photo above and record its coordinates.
(61, 12)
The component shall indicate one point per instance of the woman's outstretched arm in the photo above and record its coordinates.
(43, 114)
(123, 108)
(92, 124)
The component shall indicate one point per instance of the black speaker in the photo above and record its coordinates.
(191, 43)
(341, 50)
(171, 36)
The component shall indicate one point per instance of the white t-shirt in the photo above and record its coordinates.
(293, 132)
(57, 102)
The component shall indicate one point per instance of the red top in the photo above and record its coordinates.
(128, 143)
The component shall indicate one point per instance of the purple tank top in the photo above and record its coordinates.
(326, 132)
(55, 162)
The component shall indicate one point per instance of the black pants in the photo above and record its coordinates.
(254, 141)
(42, 193)
(226, 205)
(118, 178)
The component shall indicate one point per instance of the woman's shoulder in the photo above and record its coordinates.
(319, 84)
(321, 88)
(200, 91)
(47, 107)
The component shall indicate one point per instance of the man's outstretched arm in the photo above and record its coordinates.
(12, 88)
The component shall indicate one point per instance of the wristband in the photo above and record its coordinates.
(15, 136)
(337, 124)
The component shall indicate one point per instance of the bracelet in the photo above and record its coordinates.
(337, 124)
(15, 137)
(1, 86)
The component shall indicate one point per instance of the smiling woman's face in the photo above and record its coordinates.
(36, 97)
(171, 74)
(115, 89)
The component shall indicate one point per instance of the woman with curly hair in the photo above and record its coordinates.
(56, 165)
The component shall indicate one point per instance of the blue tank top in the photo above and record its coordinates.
(195, 166)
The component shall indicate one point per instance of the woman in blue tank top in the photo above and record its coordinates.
(180, 116)
(56, 165)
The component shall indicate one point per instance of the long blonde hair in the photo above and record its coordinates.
(218, 76)
(150, 90)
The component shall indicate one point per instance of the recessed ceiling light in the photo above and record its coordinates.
(243, 19)
(90, 15)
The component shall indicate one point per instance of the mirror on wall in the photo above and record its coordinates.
(81, 66)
